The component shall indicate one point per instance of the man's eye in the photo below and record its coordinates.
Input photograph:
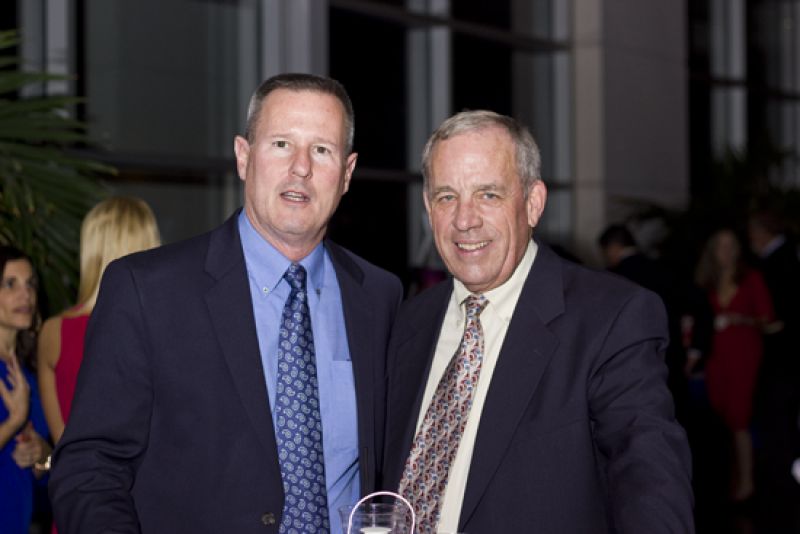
(280, 144)
(322, 150)
(490, 196)
(446, 198)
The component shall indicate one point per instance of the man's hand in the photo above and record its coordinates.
(31, 447)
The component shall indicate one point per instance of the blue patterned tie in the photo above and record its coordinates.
(298, 427)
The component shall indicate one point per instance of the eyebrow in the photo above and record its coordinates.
(442, 189)
(490, 187)
(481, 187)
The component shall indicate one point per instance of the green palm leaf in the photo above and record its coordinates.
(45, 190)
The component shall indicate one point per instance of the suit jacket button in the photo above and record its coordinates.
(268, 519)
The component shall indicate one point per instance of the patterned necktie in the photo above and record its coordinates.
(428, 466)
(298, 427)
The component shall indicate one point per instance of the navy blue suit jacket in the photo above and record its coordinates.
(170, 429)
(577, 433)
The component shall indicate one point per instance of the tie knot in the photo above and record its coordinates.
(296, 276)
(475, 305)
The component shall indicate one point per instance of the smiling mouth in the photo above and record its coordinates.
(471, 247)
(294, 196)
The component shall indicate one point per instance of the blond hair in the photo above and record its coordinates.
(114, 228)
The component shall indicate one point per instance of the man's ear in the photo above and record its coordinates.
(242, 150)
(427, 202)
(534, 204)
(349, 167)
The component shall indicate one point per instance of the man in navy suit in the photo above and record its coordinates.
(173, 427)
(777, 401)
(569, 427)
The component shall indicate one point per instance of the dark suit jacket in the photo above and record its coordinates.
(781, 270)
(577, 433)
(777, 399)
(170, 429)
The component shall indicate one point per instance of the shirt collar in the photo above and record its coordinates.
(266, 265)
(504, 297)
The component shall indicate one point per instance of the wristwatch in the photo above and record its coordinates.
(44, 465)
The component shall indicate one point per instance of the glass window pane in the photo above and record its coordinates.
(496, 13)
(396, 3)
(542, 19)
(169, 76)
(354, 223)
(368, 56)
(169, 198)
(728, 119)
(556, 222)
(481, 75)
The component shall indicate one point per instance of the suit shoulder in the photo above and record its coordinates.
(426, 303)
(174, 261)
(357, 265)
(601, 286)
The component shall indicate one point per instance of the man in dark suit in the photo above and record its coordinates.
(777, 393)
(682, 299)
(203, 403)
(553, 415)
(623, 257)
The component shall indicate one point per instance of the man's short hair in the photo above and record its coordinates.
(769, 221)
(616, 234)
(301, 82)
(527, 156)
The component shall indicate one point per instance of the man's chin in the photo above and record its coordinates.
(472, 280)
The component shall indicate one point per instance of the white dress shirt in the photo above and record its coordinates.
(495, 319)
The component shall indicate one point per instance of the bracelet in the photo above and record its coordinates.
(45, 464)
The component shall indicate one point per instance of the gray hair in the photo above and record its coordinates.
(527, 157)
(301, 82)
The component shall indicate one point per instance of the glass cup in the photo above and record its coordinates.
(374, 518)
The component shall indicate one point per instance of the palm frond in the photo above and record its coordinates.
(45, 190)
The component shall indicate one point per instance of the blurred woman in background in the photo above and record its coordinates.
(742, 310)
(23, 449)
(114, 228)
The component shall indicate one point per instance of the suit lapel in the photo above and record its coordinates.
(357, 308)
(411, 366)
(231, 310)
(423, 345)
(524, 356)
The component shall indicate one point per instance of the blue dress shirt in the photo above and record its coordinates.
(269, 291)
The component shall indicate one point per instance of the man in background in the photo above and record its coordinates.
(778, 389)
(683, 300)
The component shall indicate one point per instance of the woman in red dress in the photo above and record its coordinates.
(113, 228)
(742, 310)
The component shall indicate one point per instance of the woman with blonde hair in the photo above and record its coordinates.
(114, 228)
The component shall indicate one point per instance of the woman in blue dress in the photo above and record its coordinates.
(24, 453)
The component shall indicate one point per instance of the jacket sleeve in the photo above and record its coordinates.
(95, 463)
(644, 451)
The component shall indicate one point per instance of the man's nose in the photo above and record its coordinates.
(466, 216)
(301, 164)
